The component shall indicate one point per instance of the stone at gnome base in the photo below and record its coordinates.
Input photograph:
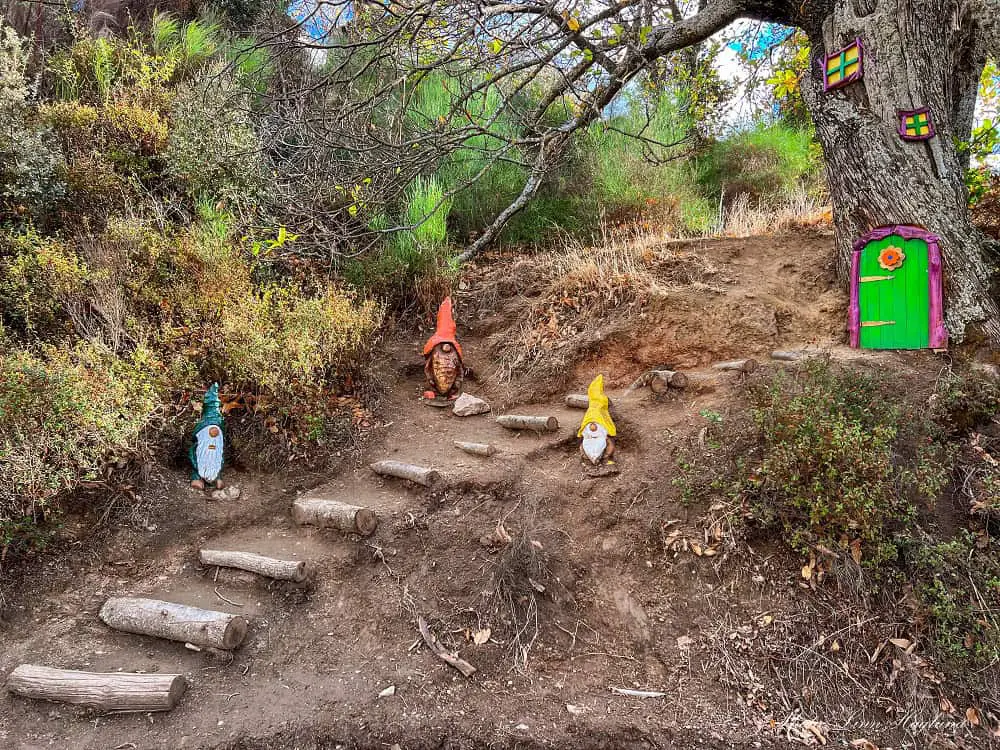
(467, 405)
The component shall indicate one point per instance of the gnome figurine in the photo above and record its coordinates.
(597, 431)
(206, 452)
(443, 358)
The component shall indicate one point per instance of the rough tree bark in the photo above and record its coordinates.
(917, 53)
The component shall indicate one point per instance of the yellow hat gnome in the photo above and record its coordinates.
(597, 429)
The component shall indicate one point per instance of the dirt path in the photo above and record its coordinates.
(317, 658)
(585, 597)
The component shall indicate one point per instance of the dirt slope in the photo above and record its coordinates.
(584, 598)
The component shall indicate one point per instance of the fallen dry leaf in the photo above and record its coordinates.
(807, 571)
(972, 716)
(946, 705)
(864, 744)
(902, 643)
(816, 728)
(856, 551)
(481, 636)
(696, 548)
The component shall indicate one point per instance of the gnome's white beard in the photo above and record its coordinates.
(594, 442)
(209, 453)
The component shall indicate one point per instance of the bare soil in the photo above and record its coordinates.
(571, 575)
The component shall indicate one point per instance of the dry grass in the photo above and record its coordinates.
(747, 218)
(579, 295)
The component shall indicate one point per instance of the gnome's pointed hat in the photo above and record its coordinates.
(445, 332)
(210, 411)
(597, 411)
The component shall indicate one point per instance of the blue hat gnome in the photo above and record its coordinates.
(207, 450)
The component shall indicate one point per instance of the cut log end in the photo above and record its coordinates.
(366, 521)
(283, 570)
(419, 474)
(175, 622)
(661, 380)
(235, 632)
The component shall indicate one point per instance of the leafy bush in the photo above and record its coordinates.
(38, 276)
(30, 164)
(767, 162)
(831, 457)
(290, 344)
(956, 598)
(65, 416)
(213, 151)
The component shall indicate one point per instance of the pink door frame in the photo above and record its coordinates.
(938, 333)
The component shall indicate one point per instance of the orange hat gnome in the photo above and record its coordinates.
(443, 357)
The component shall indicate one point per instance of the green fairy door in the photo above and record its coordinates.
(895, 302)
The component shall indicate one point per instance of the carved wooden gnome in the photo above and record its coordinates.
(443, 358)
(206, 452)
(597, 431)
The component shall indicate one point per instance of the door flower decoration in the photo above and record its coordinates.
(891, 258)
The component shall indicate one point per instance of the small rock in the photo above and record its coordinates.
(389, 691)
(469, 406)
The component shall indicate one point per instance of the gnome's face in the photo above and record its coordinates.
(209, 452)
(595, 441)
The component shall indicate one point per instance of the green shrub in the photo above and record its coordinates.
(632, 176)
(956, 598)
(290, 344)
(38, 277)
(65, 416)
(829, 456)
(212, 150)
(768, 162)
(30, 162)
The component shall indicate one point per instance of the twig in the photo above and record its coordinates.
(442, 653)
(227, 601)
(638, 693)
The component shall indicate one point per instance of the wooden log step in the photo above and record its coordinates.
(114, 691)
(525, 422)
(333, 514)
(799, 354)
(661, 380)
(419, 474)
(175, 622)
(476, 449)
(282, 570)
(737, 365)
(577, 401)
(706, 382)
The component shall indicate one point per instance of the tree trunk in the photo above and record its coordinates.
(916, 54)
(115, 691)
(175, 622)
